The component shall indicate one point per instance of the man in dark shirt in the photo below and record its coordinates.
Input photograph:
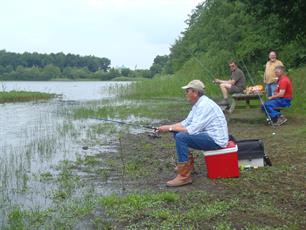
(235, 85)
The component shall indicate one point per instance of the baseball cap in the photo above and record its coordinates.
(195, 84)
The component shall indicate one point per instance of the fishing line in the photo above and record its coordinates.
(269, 120)
(210, 75)
(153, 133)
(123, 123)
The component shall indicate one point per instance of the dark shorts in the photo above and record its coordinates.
(235, 89)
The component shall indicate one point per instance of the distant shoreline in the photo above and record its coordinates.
(80, 79)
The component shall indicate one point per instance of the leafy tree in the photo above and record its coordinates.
(50, 71)
(49, 65)
(245, 30)
(159, 64)
(125, 72)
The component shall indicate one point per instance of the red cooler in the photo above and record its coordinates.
(222, 163)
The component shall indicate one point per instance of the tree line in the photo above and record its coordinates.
(217, 31)
(244, 30)
(35, 66)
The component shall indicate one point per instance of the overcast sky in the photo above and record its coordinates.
(129, 32)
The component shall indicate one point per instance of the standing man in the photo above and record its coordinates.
(269, 75)
(205, 128)
(236, 84)
(281, 98)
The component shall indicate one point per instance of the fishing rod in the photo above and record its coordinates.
(210, 75)
(153, 129)
(153, 133)
(269, 120)
(110, 120)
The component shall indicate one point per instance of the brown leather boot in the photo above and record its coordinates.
(183, 176)
(191, 161)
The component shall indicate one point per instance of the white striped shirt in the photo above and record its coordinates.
(207, 117)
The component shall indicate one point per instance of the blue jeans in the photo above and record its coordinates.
(272, 104)
(184, 141)
(270, 89)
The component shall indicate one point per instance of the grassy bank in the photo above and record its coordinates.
(170, 85)
(264, 198)
(20, 96)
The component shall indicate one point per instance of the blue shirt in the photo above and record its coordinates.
(207, 117)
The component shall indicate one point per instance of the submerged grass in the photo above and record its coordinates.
(20, 96)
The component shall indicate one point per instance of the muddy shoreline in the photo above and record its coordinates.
(266, 197)
(118, 181)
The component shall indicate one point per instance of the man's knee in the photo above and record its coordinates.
(181, 136)
(263, 107)
(224, 86)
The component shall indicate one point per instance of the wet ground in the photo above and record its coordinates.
(115, 159)
(265, 198)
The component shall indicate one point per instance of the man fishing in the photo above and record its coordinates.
(281, 98)
(205, 128)
(235, 85)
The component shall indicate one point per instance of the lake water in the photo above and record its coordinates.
(34, 138)
(71, 90)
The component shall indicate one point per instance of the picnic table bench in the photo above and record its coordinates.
(243, 97)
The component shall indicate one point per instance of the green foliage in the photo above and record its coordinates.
(290, 14)
(15, 219)
(159, 63)
(125, 72)
(42, 67)
(244, 30)
(59, 59)
(299, 94)
(170, 85)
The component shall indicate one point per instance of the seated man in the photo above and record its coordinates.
(235, 85)
(205, 128)
(282, 97)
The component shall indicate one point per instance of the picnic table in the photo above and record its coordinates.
(243, 97)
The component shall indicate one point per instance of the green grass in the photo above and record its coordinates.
(163, 86)
(63, 216)
(165, 210)
(266, 198)
(20, 96)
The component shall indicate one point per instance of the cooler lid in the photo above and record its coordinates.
(221, 151)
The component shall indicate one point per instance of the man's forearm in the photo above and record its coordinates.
(177, 127)
(278, 95)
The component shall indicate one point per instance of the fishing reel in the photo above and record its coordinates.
(154, 133)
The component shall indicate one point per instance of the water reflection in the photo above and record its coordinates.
(36, 136)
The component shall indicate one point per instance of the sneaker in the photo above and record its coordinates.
(271, 121)
(281, 120)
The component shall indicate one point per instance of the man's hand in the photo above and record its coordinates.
(278, 95)
(164, 128)
(216, 81)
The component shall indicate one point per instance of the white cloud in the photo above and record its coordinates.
(129, 32)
